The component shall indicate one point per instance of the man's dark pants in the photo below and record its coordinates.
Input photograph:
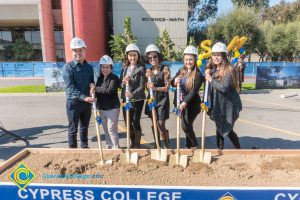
(78, 112)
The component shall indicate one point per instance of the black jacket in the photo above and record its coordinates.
(136, 83)
(192, 97)
(107, 92)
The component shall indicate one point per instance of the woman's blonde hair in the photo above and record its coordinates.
(190, 78)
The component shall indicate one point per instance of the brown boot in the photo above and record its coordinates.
(137, 139)
(167, 140)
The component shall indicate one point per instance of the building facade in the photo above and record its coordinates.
(47, 24)
(149, 18)
(37, 21)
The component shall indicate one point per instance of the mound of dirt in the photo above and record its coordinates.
(227, 170)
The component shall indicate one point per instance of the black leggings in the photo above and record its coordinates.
(135, 115)
(161, 125)
(188, 117)
(233, 138)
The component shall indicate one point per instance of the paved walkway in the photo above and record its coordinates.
(267, 121)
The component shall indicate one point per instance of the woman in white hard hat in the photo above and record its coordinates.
(226, 103)
(190, 79)
(133, 73)
(160, 78)
(108, 101)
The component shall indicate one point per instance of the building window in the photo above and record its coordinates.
(33, 37)
(5, 37)
(59, 37)
(60, 54)
(9, 35)
(59, 43)
(38, 55)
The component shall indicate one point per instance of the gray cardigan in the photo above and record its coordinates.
(136, 83)
(226, 104)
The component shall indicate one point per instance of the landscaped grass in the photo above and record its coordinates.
(24, 89)
(248, 86)
(42, 88)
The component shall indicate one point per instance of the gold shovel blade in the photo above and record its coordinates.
(105, 162)
(162, 156)
(181, 160)
(202, 157)
(129, 157)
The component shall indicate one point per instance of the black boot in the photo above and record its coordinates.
(132, 139)
(220, 141)
(234, 139)
(137, 139)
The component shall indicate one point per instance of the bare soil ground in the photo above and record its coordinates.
(226, 170)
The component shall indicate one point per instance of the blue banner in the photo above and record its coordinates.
(9, 191)
(36, 69)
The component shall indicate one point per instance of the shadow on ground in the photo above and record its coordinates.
(30, 134)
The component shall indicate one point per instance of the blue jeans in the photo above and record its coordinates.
(78, 112)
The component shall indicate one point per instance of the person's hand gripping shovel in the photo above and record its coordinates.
(98, 122)
(202, 155)
(159, 153)
(177, 159)
(128, 156)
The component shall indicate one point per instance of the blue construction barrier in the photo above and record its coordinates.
(36, 69)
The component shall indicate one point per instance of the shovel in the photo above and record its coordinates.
(159, 153)
(97, 123)
(128, 157)
(202, 155)
(177, 159)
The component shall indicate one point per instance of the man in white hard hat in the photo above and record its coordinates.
(79, 78)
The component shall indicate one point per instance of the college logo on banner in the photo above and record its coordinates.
(21, 176)
(227, 196)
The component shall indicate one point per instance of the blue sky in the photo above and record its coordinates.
(225, 5)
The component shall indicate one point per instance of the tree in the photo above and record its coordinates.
(281, 41)
(119, 42)
(56, 73)
(257, 4)
(261, 48)
(8, 52)
(215, 31)
(127, 34)
(283, 12)
(165, 45)
(200, 11)
(192, 41)
(21, 50)
(242, 21)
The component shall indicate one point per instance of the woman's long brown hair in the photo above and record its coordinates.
(224, 69)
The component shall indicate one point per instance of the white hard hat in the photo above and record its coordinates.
(132, 47)
(77, 43)
(152, 47)
(219, 47)
(191, 50)
(106, 60)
